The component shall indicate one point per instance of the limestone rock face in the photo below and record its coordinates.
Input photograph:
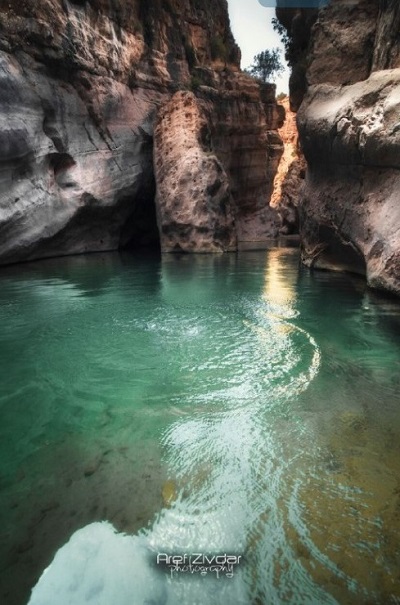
(342, 42)
(350, 133)
(291, 190)
(350, 205)
(244, 136)
(386, 44)
(67, 186)
(82, 82)
(193, 197)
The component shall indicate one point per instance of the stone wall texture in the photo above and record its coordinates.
(349, 127)
(82, 84)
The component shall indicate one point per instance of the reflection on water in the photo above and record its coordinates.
(210, 403)
(280, 287)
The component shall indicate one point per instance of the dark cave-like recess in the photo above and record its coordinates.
(339, 253)
(140, 230)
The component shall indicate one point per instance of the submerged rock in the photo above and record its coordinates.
(169, 492)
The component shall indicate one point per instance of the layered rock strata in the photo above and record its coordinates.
(81, 86)
(244, 121)
(350, 133)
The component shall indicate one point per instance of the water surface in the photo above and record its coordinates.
(231, 403)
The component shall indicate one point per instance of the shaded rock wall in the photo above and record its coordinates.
(81, 85)
(68, 185)
(349, 131)
(295, 26)
(342, 42)
(244, 135)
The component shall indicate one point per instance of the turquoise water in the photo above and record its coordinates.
(224, 403)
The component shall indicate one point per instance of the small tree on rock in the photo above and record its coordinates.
(267, 65)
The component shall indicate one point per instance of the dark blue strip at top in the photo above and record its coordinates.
(293, 3)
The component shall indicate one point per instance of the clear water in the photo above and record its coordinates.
(231, 403)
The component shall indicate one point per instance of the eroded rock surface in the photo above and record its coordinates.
(81, 86)
(349, 125)
(67, 185)
(350, 205)
(193, 195)
(244, 135)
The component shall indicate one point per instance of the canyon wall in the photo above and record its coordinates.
(82, 83)
(349, 127)
(290, 174)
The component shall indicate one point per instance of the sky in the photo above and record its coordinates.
(252, 28)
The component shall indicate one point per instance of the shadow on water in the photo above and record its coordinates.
(88, 275)
(61, 463)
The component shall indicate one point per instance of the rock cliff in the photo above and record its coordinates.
(193, 195)
(82, 82)
(289, 178)
(350, 134)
